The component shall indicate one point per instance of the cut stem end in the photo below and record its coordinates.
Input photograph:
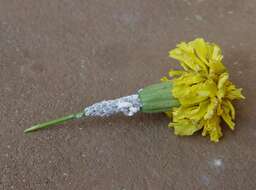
(54, 122)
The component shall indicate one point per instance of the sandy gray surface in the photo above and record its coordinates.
(58, 56)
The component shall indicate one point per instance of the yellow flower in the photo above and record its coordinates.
(203, 90)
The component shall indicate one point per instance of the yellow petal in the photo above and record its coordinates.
(195, 113)
(187, 62)
(198, 114)
(185, 128)
(174, 73)
(169, 114)
(219, 109)
(235, 94)
(164, 79)
(212, 128)
(232, 109)
(189, 79)
(215, 52)
(191, 55)
(208, 88)
(227, 114)
(200, 46)
(228, 120)
(211, 110)
(215, 133)
(222, 85)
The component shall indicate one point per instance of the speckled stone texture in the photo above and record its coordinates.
(58, 56)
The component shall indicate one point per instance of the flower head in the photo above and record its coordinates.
(203, 90)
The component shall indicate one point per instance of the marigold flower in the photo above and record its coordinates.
(203, 90)
(196, 98)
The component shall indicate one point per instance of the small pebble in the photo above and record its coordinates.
(199, 17)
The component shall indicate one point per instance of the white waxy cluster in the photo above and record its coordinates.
(128, 105)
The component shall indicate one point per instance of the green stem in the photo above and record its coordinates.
(54, 122)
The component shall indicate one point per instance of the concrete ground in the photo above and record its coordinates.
(57, 56)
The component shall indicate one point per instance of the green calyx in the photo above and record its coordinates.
(158, 98)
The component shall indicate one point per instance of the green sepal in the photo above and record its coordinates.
(158, 98)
